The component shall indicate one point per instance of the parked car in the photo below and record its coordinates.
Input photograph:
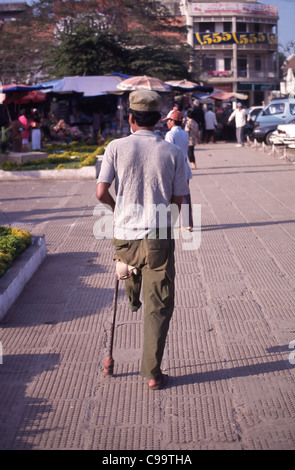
(284, 134)
(279, 111)
(253, 112)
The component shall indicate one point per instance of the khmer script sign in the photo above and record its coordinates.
(233, 8)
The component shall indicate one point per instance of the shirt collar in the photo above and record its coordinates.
(144, 132)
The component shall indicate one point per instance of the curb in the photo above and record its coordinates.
(87, 172)
(17, 276)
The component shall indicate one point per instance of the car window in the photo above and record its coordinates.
(275, 108)
(292, 108)
(255, 112)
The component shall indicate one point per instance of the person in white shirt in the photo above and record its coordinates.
(178, 136)
(210, 125)
(240, 115)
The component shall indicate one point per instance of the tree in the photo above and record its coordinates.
(289, 48)
(94, 37)
(158, 61)
(23, 44)
(156, 41)
(86, 53)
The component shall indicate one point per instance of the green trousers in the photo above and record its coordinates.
(154, 259)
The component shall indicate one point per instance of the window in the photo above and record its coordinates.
(242, 67)
(227, 63)
(227, 26)
(257, 64)
(209, 63)
(241, 28)
(256, 27)
(292, 109)
(275, 108)
(207, 27)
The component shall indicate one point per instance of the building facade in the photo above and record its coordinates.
(11, 11)
(235, 46)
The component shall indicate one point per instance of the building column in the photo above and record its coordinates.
(190, 34)
(235, 58)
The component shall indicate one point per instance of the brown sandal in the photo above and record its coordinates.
(161, 383)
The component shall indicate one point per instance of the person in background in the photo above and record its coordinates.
(240, 115)
(192, 128)
(227, 130)
(178, 136)
(16, 135)
(24, 119)
(210, 124)
(198, 116)
(36, 131)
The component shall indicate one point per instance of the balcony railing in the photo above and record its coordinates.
(218, 73)
(241, 73)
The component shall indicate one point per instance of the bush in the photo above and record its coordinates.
(13, 242)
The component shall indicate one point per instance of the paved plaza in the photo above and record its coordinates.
(229, 353)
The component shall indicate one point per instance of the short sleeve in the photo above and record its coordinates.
(107, 171)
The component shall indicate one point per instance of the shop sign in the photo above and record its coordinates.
(208, 39)
(233, 8)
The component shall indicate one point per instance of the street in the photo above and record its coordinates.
(230, 349)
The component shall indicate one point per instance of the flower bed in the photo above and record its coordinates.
(13, 242)
(61, 156)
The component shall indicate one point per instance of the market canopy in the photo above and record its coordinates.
(187, 86)
(143, 82)
(22, 88)
(88, 86)
(222, 95)
(34, 96)
(22, 94)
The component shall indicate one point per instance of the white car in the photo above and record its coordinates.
(284, 134)
(254, 111)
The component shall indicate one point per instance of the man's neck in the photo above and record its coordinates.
(150, 128)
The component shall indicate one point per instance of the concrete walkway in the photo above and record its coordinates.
(228, 356)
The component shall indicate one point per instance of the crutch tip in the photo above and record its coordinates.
(108, 366)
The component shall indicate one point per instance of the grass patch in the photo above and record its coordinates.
(13, 242)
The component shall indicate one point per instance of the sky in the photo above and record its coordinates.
(286, 14)
(286, 22)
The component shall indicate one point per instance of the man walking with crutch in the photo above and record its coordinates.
(149, 173)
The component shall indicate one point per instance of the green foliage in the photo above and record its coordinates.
(98, 53)
(158, 62)
(74, 155)
(13, 242)
(94, 37)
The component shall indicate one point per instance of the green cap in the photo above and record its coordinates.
(145, 100)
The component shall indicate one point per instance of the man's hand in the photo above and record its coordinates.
(124, 271)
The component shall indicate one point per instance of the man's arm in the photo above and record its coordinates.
(231, 117)
(104, 196)
(176, 200)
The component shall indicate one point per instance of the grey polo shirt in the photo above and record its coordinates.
(147, 172)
